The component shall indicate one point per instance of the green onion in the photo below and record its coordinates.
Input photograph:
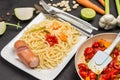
(16, 25)
(107, 9)
(118, 6)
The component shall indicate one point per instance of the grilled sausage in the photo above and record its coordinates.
(25, 54)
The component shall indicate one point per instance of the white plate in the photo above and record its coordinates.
(9, 54)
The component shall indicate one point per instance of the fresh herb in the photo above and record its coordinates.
(16, 25)
(3, 25)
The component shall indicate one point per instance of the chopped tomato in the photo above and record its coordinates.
(109, 68)
(115, 52)
(88, 57)
(103, 77)
(89, 51)
(83, 70)
(106, 70)
(111, 63)
(117, 64)
(83, 73)
(82, 66)
(92, 75)
(52, 40)
(110, 71)
(113, 73)
(99, 48)
(118, 57)
(96, 45)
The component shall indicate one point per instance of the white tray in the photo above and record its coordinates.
(8, 54)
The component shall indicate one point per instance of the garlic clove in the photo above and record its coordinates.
(118, 21)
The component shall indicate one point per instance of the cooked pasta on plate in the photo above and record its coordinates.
(51, 40)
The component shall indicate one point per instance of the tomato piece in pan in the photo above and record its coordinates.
(84, 71)
(117, 63)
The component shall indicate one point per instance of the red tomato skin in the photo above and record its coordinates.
(109, 68)
(92, 75)
(52, 40)
(89, 50)
(83, 70)
(111, 64)
(83, 67)
(106, 70)
(82, 73)
(99, 48)
(96, 45)
(116, 64)
(88, 57)
(89, 53)
(113, 73)
(117, 67)
(92, 79)
(103, 77)
(115, 52)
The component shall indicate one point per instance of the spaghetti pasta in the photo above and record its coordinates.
(51, 40)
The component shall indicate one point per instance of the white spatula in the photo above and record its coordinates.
(102, 58)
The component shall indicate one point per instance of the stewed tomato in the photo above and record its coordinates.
(84, 71)
(99, 48)
(115, 52)
(103, 77)
(96, 45)
(89, 53)
(82, 66)
(117, 63)
(92, 75)
(110, 72)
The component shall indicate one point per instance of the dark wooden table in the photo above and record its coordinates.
(10, 72)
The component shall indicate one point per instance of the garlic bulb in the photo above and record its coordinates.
(118, 21)
(118, 11)
(107, 22)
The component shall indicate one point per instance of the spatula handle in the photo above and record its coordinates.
(114, 43)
